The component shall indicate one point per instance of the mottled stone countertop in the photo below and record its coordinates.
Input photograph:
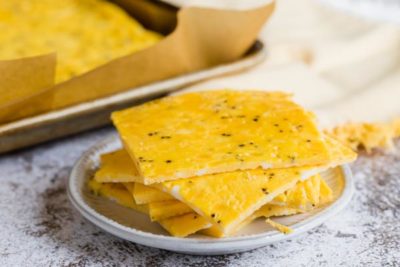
(38, 226)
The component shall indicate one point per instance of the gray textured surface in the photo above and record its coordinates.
(40, 228)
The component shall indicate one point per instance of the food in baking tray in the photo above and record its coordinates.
(83, 33)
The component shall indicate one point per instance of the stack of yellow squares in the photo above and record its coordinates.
(212, 162)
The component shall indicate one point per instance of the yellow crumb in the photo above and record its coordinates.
(396, 127)
(280, 227)
(367, 135)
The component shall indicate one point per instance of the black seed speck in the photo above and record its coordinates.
(219, 221)
(165, 137)
(281, 131)
(292, 158)
(226, 134)
(238, 158)
(265, 191)
(152, 133)
(276, 125)
(308, 141)
(241, 145)
(168, 161)
(256, 118)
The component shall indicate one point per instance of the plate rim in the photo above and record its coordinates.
(193, 245)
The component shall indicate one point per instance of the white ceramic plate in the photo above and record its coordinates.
(136, 227)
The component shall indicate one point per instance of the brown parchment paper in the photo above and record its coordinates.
(25, 86)
(154, 15)
(202, 38)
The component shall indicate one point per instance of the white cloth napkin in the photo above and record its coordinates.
(342, 67)
(220, 4)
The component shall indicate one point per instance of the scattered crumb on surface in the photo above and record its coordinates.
(367, 136)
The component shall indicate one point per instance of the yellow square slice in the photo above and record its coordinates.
(163, 205)
(211, 132)
(229, 198)
(166, 209)
(179, 226)
(271, 210)
(184, 225)
(266, 211)
(145, 194)
(117, 193)
(116, 167)
(304, 195)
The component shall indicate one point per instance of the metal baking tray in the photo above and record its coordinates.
(96, 113)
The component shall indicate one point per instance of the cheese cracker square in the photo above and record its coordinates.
(218, 131)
